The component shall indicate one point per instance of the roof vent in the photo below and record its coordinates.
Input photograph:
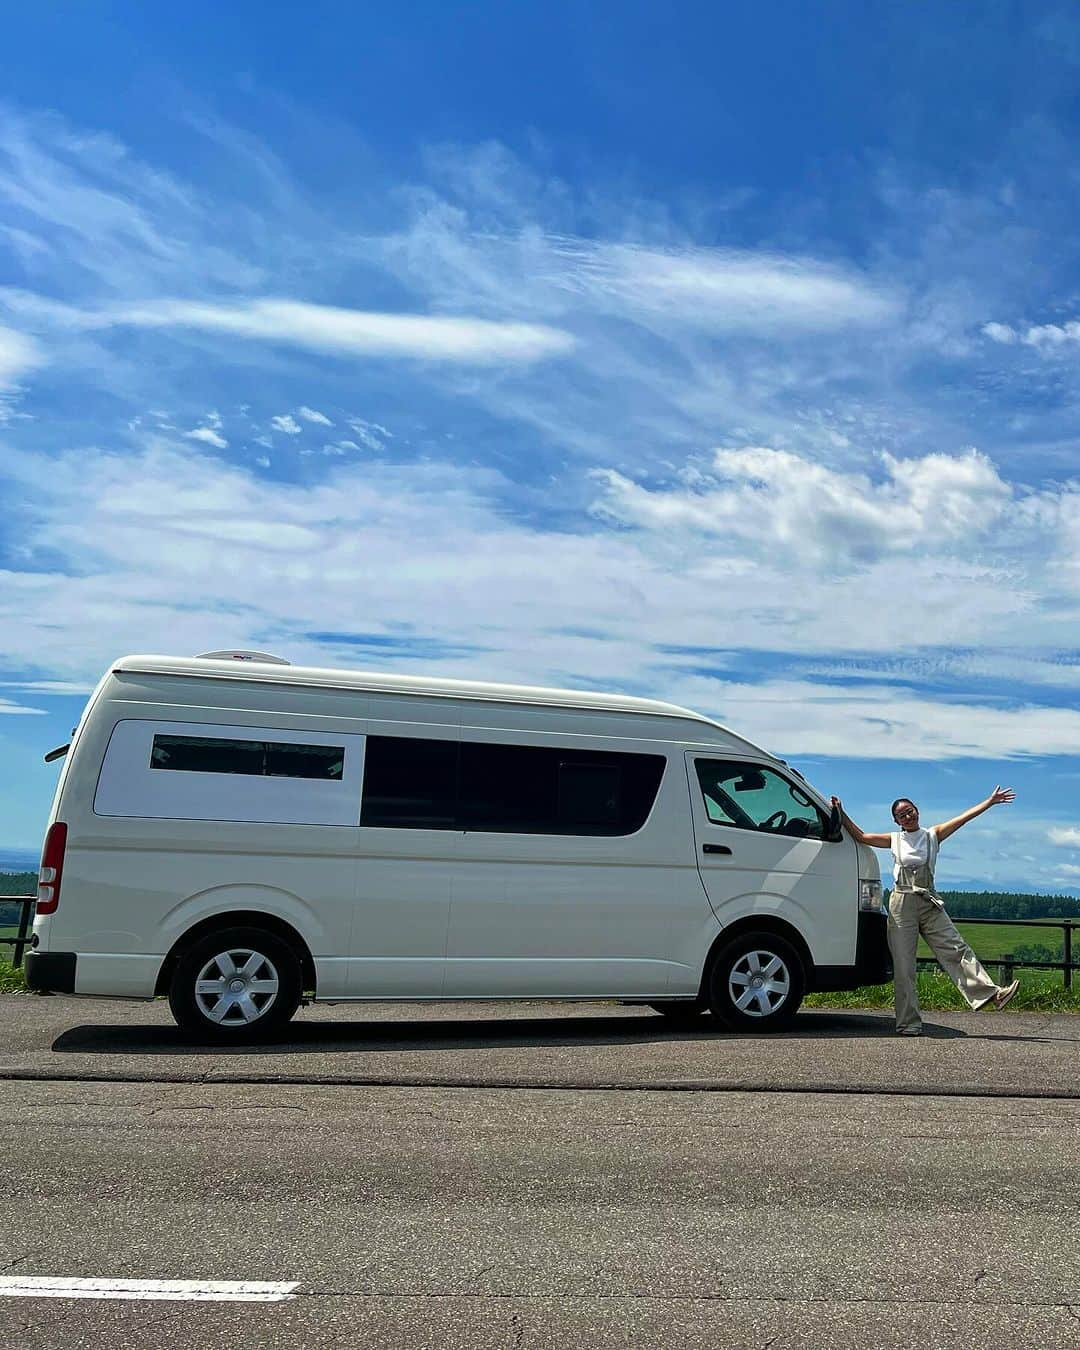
(264, 657)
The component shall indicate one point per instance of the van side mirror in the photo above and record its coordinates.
(834, 831)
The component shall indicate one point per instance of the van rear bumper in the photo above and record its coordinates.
(50, 972)
(873, 962)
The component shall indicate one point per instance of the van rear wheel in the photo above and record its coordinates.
(236, 986)
(756, 983)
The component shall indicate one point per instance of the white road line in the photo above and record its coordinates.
(205, 1291)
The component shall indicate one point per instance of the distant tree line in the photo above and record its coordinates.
(18, 883)
(1010, 905)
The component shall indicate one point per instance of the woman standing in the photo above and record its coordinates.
(915, 907)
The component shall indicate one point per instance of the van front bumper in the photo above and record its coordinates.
(50, 972)
(873, 961)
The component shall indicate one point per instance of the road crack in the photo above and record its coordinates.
(754, 1296)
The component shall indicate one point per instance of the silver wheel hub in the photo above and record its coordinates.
(237, 987)
(759, 983)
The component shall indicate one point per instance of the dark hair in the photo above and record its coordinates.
(897, 803)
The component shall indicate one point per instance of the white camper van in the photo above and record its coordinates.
(238, 834)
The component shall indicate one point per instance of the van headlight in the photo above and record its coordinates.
(870, 896)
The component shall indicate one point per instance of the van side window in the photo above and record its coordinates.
(266, 759)
(410, 782)
(158, 770)
(755, 797)
(532, 789)
(507, 789)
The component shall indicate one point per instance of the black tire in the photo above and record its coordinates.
(681, 1009)
(267, 966)
(767, 1006)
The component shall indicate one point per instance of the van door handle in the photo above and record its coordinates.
(715, 848)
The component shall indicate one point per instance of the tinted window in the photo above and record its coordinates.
(525, 789)
(754, 797)
(410, 783)
(513, 789)
(274, 759)
(507, 789)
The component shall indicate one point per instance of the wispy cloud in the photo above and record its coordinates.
(1044, 336)
(286, 423)
(313, 415)
(1064, 836)
(722, 290)
(18, 355)
(370, 434)
(208, 436)
(7, 708)
(350, 332)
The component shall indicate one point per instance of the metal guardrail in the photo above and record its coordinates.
(22, 941)
(1005, 964)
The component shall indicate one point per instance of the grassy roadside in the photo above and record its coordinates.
(1040, 991)
(12, 981)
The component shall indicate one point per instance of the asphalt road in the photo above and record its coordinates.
(544, 1175)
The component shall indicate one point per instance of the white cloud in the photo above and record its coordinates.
(208, 436)
(286, 423)
(1000, 332)
(1065, 836)
(18, 354)
(882, 722)
(723, 290)
(50, 686)
(352, 332)
(370, 434)
(1044, 336)
(179, 552)
(7, 708)
(780, 503)
(313, 415)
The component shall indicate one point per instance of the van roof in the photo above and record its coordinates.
(257, 672)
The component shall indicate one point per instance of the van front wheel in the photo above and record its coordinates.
(757, 983)
(236, 986)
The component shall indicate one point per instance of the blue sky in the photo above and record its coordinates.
(725, 354)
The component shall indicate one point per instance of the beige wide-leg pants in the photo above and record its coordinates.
(912, 913)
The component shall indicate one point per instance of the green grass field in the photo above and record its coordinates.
(994, 940)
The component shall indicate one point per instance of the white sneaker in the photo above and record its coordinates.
(1004, 997)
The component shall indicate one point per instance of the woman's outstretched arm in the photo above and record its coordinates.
(860, 836)
(998, 795)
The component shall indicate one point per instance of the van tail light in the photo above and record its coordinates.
(52, 867)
